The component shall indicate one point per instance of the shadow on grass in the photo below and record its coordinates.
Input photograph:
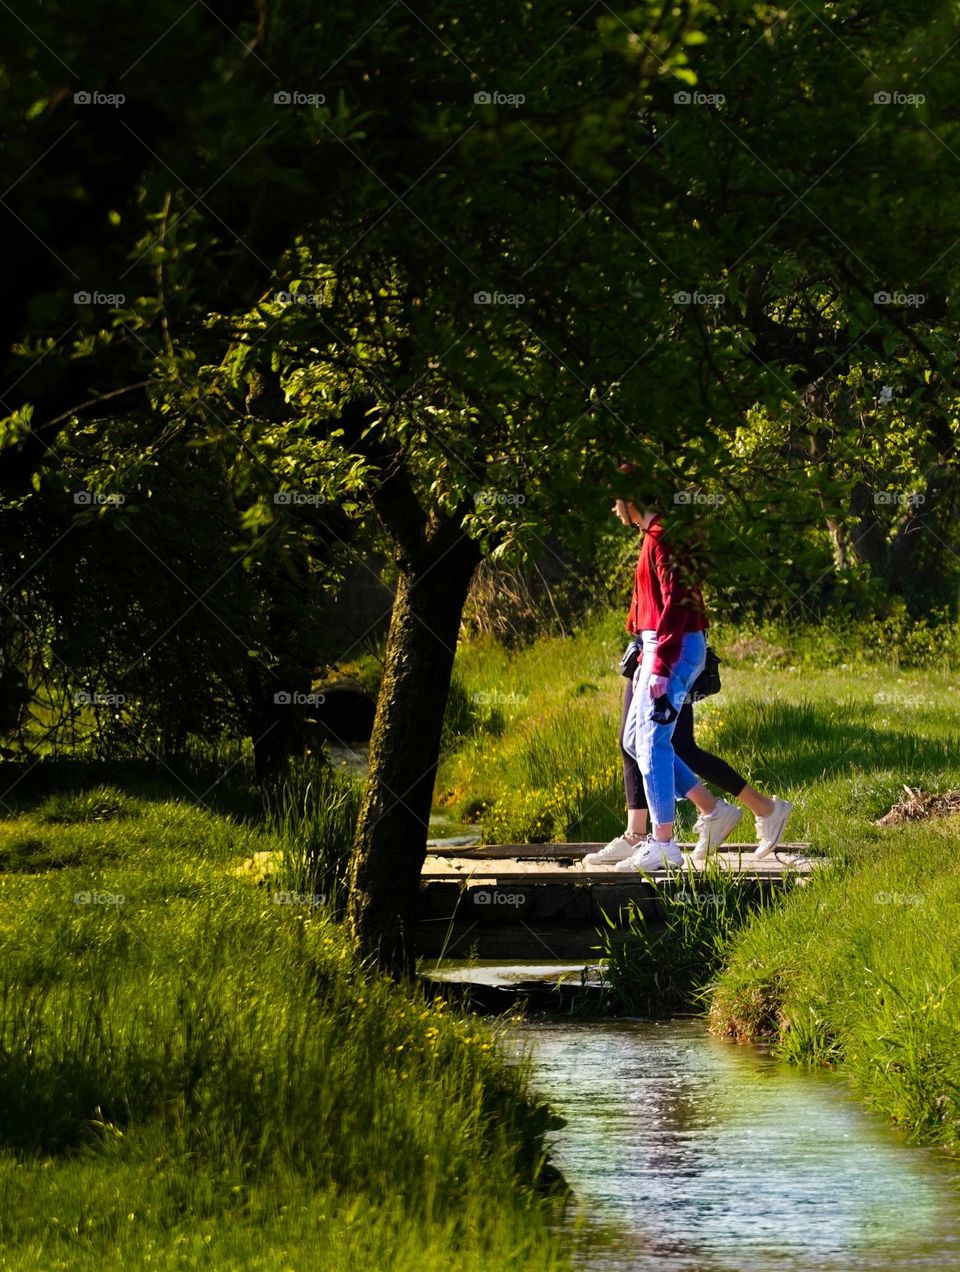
(26, 785)
(806, 743)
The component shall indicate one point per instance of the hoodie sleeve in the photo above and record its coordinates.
(678, 599)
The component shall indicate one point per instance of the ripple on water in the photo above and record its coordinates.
(710, 1156)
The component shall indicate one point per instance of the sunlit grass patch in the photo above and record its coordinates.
(195, 1069)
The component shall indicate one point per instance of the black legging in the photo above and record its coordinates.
(706, 765)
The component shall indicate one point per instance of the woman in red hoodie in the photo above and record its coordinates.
(667, 619)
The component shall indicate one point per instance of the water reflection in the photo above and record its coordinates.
(711, 1156)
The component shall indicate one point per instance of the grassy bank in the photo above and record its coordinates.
(861, 968)
(196, 1073)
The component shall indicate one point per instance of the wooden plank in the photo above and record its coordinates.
(547, 852)
(609, 879)
(509, 872)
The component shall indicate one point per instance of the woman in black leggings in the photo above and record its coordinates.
(706, 765)
(717, 818)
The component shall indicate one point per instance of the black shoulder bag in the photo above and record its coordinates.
(628, 663)
(705, 685)
(708, 682)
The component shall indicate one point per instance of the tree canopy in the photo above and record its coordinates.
(287, 283)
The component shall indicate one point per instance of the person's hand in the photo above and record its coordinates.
(659, 686)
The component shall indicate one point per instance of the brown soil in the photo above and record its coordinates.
(919, 805)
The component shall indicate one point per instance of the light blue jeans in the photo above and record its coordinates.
(665, 777)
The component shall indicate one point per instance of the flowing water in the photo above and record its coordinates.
(694, 1154)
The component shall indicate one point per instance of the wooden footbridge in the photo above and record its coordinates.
(536, 901)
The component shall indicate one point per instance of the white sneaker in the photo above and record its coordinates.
(653, 854)
(713, 828)
(770, 829)
(616, 850)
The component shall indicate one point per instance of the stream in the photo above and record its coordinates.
(688, 1153)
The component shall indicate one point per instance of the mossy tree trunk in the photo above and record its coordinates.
(436, 562)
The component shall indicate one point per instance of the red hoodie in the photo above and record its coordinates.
(663, 601)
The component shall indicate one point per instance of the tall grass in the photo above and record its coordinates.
(668, 962)
(313, 814)
(194, 1073)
